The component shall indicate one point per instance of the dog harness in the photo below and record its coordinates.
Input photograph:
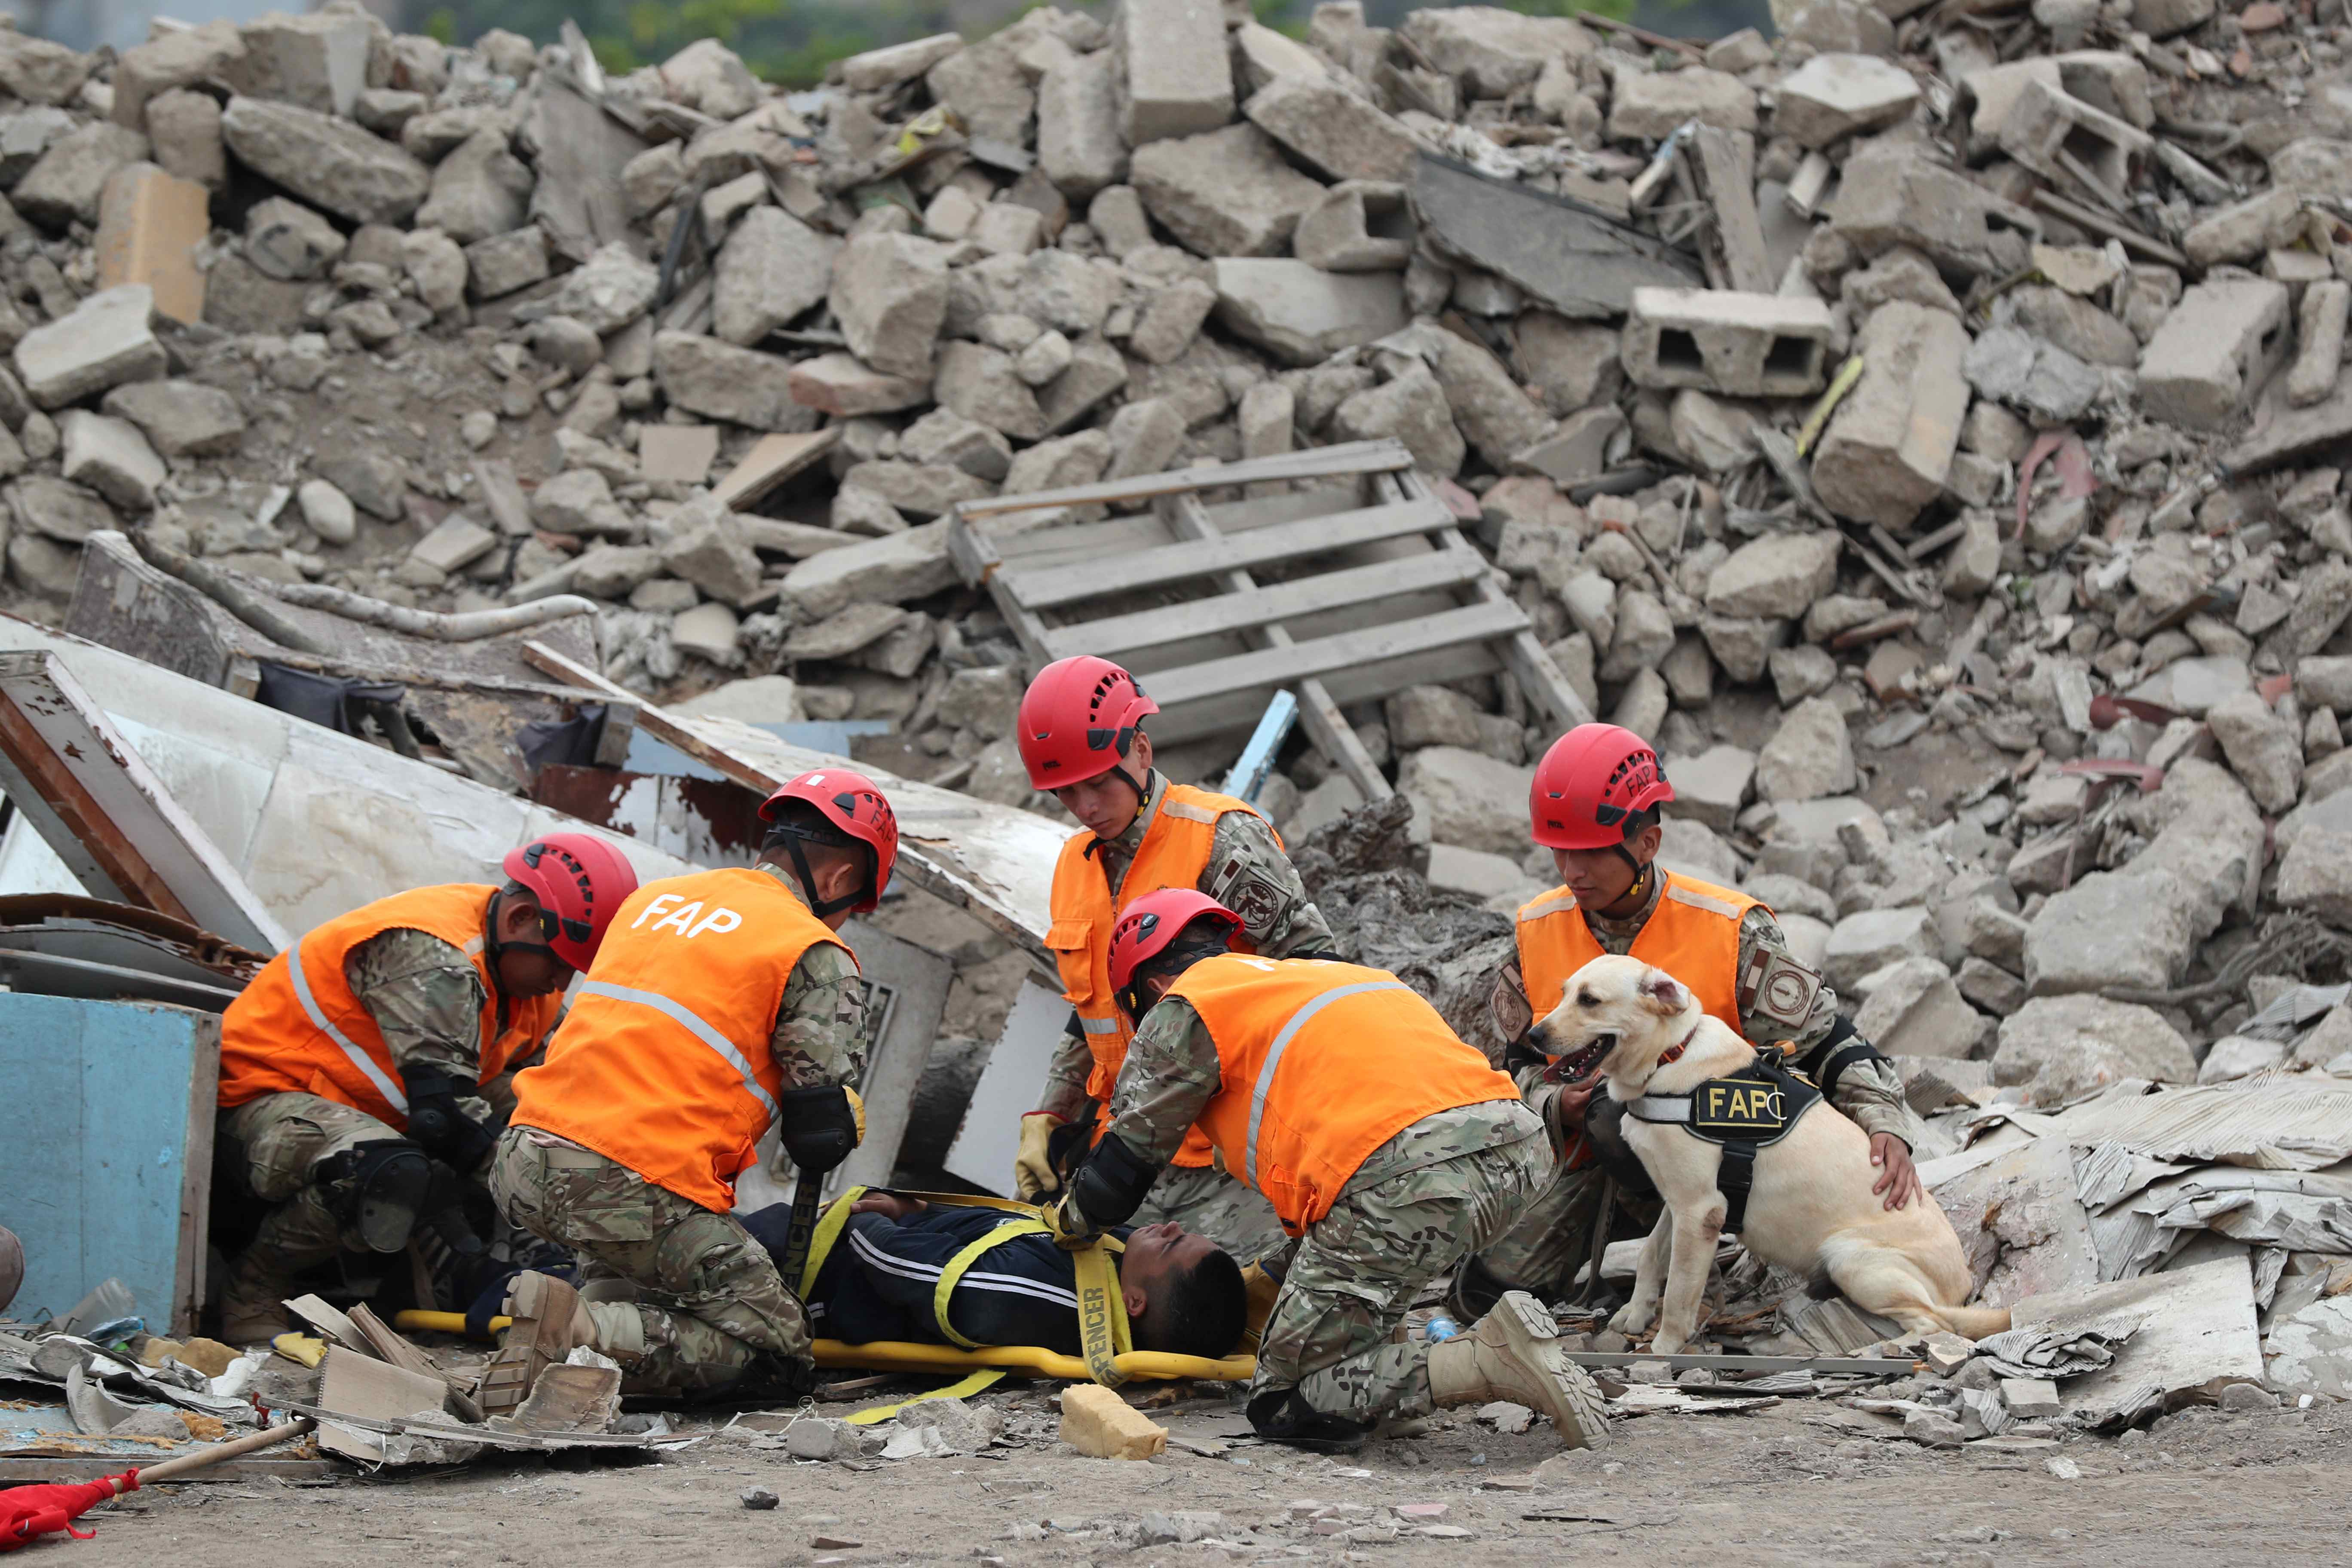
(1742, 1112)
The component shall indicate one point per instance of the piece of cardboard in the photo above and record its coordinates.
(353, 1384)
(681, 453)
(149, 226)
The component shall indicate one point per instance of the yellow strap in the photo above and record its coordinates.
(963, 1388)
(901, 1355)
(821, 1244)
(1102, 1312)
(953, 1275)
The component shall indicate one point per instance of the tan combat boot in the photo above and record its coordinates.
(548, 1323)
(1514, 1353)
(253, 1301)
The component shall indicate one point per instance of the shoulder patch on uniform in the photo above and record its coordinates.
(1776, 987)
(1699, 900)
(1250, 893)
(1550, 904)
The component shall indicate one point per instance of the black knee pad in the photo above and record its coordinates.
(378, 1190)
(1283, 1416)
(1604, 1126)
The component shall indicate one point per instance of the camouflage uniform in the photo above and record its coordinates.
(426, 998)
(1544, 1251)
(683, 1298)
(1249, 873)
(1444, 1187)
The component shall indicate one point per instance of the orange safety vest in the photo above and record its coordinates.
(664, 1063)
(1693, 934)
(297, 1028)
(1174, 853)
(1322, 1063)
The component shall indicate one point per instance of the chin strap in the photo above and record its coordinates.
(1142, 794)
(820, 907)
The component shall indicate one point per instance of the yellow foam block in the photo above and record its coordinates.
(1097, 1423)
(299, 1348)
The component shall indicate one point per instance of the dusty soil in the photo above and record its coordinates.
(1806, 1482)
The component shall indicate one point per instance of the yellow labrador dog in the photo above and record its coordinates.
(1810, 1206)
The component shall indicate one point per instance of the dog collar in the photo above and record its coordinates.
(1675, 1053)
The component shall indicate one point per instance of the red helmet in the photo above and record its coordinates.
(855, 805)
(1155, 920)
(1591, 783)
(580, 881)
(1079, 720)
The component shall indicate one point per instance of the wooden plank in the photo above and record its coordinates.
(1320, 462)
(1730, 187)
(196, 1175)
(1244, 608)
(1326, 726)
(1044, 588)
(770, 462)
(798, 540)
(1233, 713)
(1303, 661)
(63, 1468)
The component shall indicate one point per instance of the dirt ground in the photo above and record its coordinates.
(1805, 1482)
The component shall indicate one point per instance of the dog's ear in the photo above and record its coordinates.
(1662, 994)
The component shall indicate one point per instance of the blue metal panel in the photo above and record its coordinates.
(1248, 774)
(105, 1147)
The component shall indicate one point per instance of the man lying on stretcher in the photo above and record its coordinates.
(877, 1278)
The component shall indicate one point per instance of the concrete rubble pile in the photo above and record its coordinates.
(1919, 429)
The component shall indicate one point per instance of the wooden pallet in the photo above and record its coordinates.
(1350, 585)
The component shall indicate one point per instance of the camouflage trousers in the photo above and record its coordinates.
(1360, 1267)
(1553, 1239)
(684, 1298)
(283, 1137)
(1207, 1201)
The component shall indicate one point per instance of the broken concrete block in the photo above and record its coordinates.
(1333, 127)
(328, 510)
(1740, 345)
(846, 386)
(1170, 320)
(706, 546)
(2066, 1047)
(1869, 940)
(2214, 353)
(1267, 417)
(150, 225)
(2319, 353)
(981, 383)
(329, 162)
(1145, 437)
(1647, 105)
(1228, 193)
(180, 418)
(36, 70)
(1302, 314)
(2315, 873)
(719, 381)
(316, 61)
(175, 58)
(877, 70)
(185, 130)
(1889, 445)
(890, 569)
(110, 456)
(771, 268)
(1079, 141)
(1833, 96)
(1491, 50)
(1564, 256)
(1469, 798)
(288, 241)
(1094, 1420)
(2068, 141)
(104, 341)
(2244, 230)
(2197, 1336)
(480, 191)
(1894, 199)
(1810, 756)
(455, 543)
(1412, 409)
(915, 488)
(1359, 226)
(1008, 229)
(1579, 448)
(1176, 78)
(1779, 576)
(64, 186)
(497, 267)
(2017, 368)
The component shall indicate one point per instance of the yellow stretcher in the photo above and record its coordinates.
(1110, 1358)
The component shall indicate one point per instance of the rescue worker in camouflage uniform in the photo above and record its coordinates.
(722, 1003)
(1388, 1148)
(1595, 803)
(1080, 733)
(360, 1072)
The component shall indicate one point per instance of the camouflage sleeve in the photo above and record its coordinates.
(1780, 999)
(426, 998)
(819, 1036)
(1065, 1093)
(1249, 874)
(1171, 1073)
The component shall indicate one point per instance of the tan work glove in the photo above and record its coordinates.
(1033, 1170)
(1262, 1289)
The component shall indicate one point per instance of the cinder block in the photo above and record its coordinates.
(1889, 446)
(1717, 339)
(2213, 354)
(2056, 135)
(149, 226)
(1177, 77)
(1967, 231)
